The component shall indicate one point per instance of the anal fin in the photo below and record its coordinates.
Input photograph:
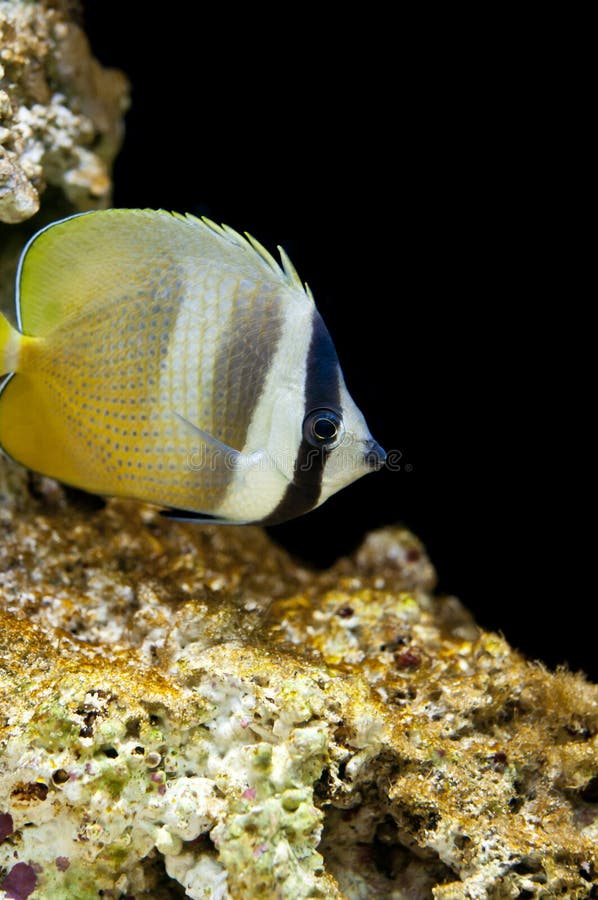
(184, 515)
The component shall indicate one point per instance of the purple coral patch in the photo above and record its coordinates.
(62, 863)
(20, 882)
(6, 826)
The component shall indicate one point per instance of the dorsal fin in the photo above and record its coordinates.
(79, 260)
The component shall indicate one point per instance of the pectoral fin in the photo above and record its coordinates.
(217, 454)
(222, 464)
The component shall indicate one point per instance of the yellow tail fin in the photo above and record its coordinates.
(10, 344)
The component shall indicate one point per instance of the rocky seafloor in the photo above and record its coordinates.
(186, 711)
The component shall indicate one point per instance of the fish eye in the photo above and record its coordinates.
(323, 428)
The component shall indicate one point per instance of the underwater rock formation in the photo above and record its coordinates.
(60, 111)
(185, 711)
(61, 125)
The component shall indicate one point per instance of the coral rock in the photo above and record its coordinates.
(187, 710)
(60, 111)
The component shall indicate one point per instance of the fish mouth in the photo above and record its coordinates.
(374, 456)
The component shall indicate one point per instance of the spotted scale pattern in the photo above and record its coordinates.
(118, 386)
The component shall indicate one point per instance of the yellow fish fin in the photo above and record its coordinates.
(31, 434)
(77, 260)
(290, 270)
(285, 270)
(10, 343)
(88, 258)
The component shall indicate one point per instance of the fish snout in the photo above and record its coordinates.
(374, 456)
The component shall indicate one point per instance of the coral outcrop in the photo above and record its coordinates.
(186, 711)
(61, 125)
(60, 111)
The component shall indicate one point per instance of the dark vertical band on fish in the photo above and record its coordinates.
(322, 388)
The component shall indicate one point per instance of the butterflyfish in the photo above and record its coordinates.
(168, 359)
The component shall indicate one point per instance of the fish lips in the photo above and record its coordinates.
(374, 456)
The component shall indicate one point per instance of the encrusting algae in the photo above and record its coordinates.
(188, 709)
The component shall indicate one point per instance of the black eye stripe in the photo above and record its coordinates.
(322, 391)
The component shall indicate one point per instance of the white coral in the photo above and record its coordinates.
(45, 138)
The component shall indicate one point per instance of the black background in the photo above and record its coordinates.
(412, 173)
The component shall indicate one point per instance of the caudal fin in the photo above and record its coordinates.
(10, 341)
